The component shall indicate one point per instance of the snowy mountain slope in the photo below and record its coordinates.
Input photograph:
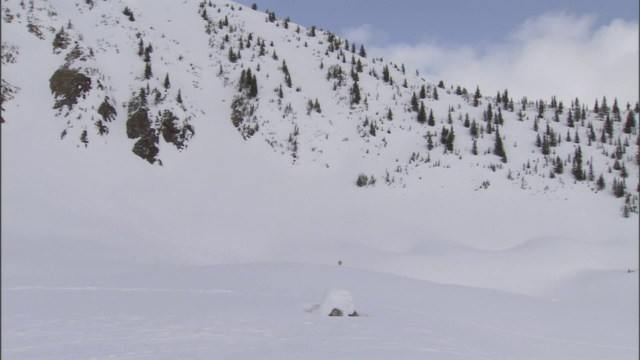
(93, 212)
(205, 185)
(319, 67)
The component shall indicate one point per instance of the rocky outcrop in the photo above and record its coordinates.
(173, 132)
(68, 85)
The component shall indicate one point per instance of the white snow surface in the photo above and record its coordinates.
(219, 252)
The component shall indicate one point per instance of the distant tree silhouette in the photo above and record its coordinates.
(498, 147)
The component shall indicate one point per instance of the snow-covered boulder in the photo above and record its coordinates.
(337, 302)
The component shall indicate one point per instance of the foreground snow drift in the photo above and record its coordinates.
(255, 311)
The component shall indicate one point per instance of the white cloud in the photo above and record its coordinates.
(364, 34)
(553, 54)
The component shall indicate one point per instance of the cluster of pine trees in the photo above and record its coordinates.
(549, 122)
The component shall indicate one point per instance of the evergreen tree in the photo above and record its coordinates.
(435, 94)
(600, 183)
(147, 71)
(232, 55)
(354, 75)
(541, 109)
(608, 126)
(498, 147)
(309, 106)
(362, 52)
(84, 138)
(450, 139)
(429, 141)
(142, 96)
(615, 110)
(570, 120)
(386, 77)
(444, 135)
(355, 94)
(262, 50)
(415, 106)
(422, 114)
(604, 108)
(592, 132)
(616, 165)
(179, 97)
(466, 120)
(619, 188)
(389, 114)
(546, 147)
(423, 92)
(630, 123)
(147, 53)
(623, 171)
(61, 40)
(473, 130)
(431, 121)
(488, 113)
(505, 100)
(577, 171)
(499, 118)
(554, 103)
(474, 147)
(253, 85)
(559, 168)
(476, 97)
(167, 83)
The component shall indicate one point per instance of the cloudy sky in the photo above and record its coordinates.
(566, 48)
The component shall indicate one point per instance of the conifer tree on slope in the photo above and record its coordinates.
(422, 114)
(498, 147)
(577, 170)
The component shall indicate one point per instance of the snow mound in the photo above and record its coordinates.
(337, 302)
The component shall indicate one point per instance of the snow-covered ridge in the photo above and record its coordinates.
(156, 74)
